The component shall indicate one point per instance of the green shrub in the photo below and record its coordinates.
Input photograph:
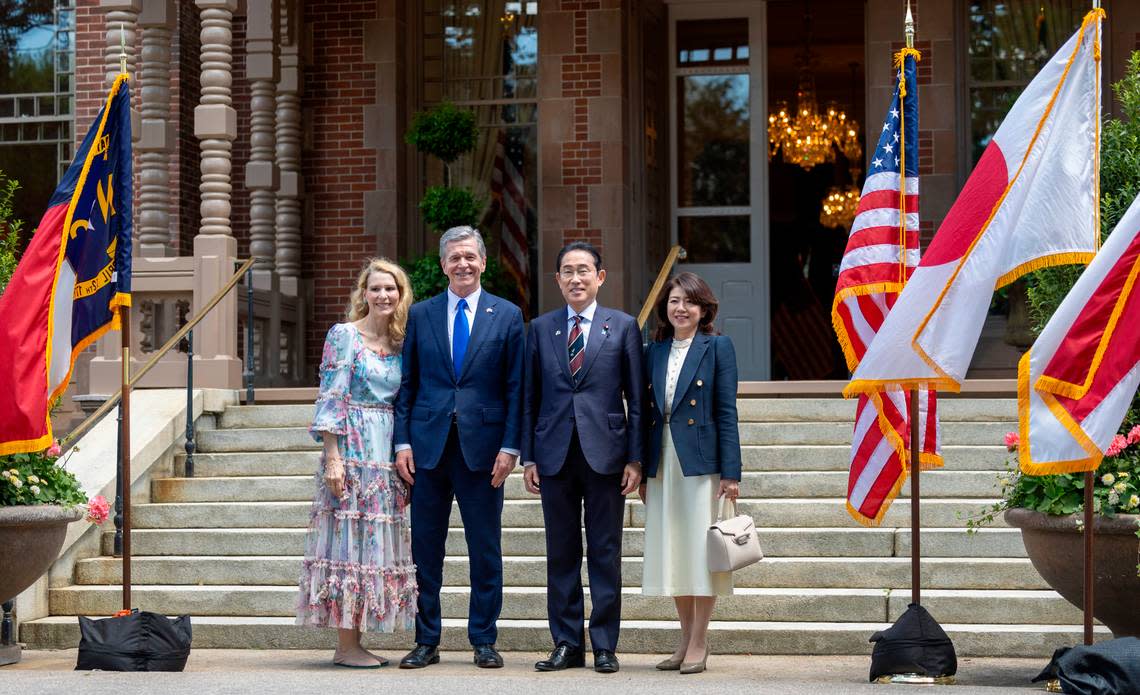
(9, 231)
(445, 132)
(444, 207)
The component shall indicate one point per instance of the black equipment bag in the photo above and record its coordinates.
(1111, 667)
(138, 641)
(916, 643)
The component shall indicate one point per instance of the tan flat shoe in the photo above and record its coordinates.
(695, 666)
(670, 664)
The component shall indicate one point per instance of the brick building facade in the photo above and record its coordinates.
(586, 89)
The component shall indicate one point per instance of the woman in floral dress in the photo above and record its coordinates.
(358, 574)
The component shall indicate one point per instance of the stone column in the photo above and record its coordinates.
(292, 188)
(215, 125)
(122, 26)
(261, 175)
(156, 137)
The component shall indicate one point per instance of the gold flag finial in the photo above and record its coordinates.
(123, 47)
(909, 26)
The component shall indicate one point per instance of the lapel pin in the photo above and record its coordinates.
(605, 329)
(490, 310)
(557, 332)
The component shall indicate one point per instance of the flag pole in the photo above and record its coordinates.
(915, 442)
(1089, 525)
(125, 402)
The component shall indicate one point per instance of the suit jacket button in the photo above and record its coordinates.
(651, 387)
(652, 423)
(700, 383)
(691, 421)
(693, 402)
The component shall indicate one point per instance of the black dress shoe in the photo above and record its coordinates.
(487, 657)
(423, 655)
(606, 661)
(563, 656)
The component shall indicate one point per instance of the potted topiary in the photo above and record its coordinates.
(1049, 509)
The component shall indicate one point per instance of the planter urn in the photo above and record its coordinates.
(1055, 545)
(30, 537)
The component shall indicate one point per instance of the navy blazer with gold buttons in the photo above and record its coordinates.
(702, 417)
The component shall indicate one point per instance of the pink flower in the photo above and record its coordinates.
(98, 510)
(1119, 444)
(54, 450)
(1134, 435)
(1012, 441)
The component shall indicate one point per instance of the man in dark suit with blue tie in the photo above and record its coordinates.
(457, 436)
(582, 448)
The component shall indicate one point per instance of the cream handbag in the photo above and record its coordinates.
(733, 543)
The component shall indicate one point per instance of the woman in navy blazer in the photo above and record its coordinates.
(692, 459)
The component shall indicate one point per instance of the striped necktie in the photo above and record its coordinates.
(574, 343)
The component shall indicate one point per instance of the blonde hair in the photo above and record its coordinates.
(358, 307)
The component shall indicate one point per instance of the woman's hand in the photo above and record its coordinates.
(334, 475)
(729, 489)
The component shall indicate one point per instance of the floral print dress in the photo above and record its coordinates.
(358, 571)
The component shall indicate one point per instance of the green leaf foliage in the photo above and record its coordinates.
(444, 208)
(9, 230)
(37, 478)
(445, 132)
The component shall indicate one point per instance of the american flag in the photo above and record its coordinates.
(882, 252)
(508, 188)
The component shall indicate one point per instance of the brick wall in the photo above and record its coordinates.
(337, 166)
(185, 92)
(582, 128)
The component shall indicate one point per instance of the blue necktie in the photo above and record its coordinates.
(459, 337)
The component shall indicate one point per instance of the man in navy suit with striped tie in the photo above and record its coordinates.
(582, 449)
(458, 435)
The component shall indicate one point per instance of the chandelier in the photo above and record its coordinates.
(839, 207)
(807, 135)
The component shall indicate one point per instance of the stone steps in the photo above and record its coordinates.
(783, 513)
(226, 545)
(823, 458)
(748, 410)
(637, 636)
(751, 433)
(777, 542)
(529, 603)
(790, 572)
(769, 484)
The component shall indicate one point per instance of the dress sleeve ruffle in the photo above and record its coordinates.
(336, 374)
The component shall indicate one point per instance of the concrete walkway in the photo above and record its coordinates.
(302, 672)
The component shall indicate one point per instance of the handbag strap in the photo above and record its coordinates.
(724, 501)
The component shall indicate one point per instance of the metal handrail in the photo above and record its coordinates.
(671, 259)
(167, 347)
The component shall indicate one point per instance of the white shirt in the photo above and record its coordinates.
(587, 315)
(453, 306)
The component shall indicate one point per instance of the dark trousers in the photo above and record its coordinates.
(563, 497)
(481, 508)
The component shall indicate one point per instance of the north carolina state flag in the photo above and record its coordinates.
(1031, 202)
(1076, 383)
(71, 279)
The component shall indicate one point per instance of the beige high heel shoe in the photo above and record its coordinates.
(695, 666)
(670, 664)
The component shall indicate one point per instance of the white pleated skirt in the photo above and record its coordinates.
(678, 513)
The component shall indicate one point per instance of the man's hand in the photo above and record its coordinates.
(406, 466)
(504, 464)
(530, 479)
(641, 492)
(630, 478)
